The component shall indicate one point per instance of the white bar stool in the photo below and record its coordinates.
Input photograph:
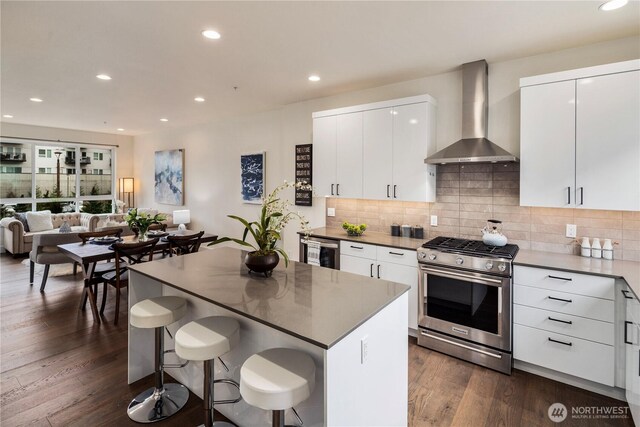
(207, 339)
(163, 400)
(277, 379)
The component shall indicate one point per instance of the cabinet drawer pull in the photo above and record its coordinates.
(388, 187)
(356, 247)
(560, 342)
(568, 322)
(337, 189)
(332, 189)
(394, 191)
(626, 294)
(581, 196)
(559, 299)
(626, 340)
(378, 271)
(371, 270)
(568, 195)
(396, 253)
(566, 279)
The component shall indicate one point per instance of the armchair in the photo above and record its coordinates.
(45, 251)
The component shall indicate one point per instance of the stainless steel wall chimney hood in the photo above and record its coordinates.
(474, 146)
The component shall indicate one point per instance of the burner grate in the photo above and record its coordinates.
(471, 247)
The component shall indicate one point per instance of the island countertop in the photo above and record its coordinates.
(315, 304)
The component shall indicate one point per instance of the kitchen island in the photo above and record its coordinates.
(354, 328)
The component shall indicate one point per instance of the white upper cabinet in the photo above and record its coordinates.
(580, 138)
(377, 154)
(608, 136)
(547, 144)
(413, 140)
(349, 155)
(378, 150)
(324, 155)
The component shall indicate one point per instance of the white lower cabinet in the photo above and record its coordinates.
(564, 353)
(385, 263)
(565, 322)
(632, 354)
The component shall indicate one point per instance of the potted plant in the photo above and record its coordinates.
(266, 231)
(139, 222)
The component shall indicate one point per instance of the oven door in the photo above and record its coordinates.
(467, 305)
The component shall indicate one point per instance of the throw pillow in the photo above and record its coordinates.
(22, 217)
(39, 221)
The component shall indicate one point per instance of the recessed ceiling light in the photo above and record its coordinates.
(35, 99)
(198, 99)
(7, 116)
(314, 78)
(164, 120)
(120, 130)
(613, 5)
(211, 34)
(103, 77)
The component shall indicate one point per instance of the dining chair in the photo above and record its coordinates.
(45, 251)
(99, 268)
(182, 245)
(126, 254)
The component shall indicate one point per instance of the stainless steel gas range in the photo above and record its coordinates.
(466, 299)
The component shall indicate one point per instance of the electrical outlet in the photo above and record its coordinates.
(331, 211)
(364, 350)
(434, 220)
(572, 230)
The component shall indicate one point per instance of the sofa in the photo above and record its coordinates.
(117, 221)
(17, 241)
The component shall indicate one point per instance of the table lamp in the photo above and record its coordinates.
(182, 217)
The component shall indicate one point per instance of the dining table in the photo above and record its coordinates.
(90, 253)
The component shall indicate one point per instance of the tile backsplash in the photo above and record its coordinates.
(468, 195)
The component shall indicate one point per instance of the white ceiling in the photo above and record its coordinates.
(159, 61)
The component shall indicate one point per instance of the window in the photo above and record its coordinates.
(51, 171)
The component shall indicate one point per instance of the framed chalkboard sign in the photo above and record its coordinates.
(304, 173)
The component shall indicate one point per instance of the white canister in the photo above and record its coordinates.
(585, 247)
(596, 249)
(607, 249)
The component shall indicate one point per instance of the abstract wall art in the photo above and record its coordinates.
(252, 168)
(169, 185)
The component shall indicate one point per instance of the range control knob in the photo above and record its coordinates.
(432, 257)
(459, 261)
(489, 265)
(502, 266)
(422, 255)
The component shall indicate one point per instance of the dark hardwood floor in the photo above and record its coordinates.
(57, 368)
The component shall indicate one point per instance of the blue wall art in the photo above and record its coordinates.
(252, 168)
(169, 185)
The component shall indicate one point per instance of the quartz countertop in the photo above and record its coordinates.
(627, 270)
(370, 237)
(315, 304)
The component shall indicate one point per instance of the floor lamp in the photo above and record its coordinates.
(126, 190)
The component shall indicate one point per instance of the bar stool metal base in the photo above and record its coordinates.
(154, 405)
(220, 424)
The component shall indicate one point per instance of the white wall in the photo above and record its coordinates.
(124, 152)
(212, 150)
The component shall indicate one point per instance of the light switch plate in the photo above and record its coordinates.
(434, 220)
(331, 211)
(364, 349)
(572, 230)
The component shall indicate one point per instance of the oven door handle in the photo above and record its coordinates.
(455, 275)
(322, 244)
(468, 347)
